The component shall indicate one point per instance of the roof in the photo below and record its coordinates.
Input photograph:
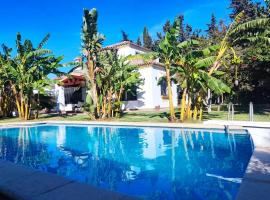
(71, 76)
(126, 43)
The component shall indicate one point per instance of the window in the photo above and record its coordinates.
(164, 88)
(130, 95)
(73, 95)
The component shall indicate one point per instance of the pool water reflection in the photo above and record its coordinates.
(151, 163)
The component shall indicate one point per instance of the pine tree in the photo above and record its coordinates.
(139, 42)
(212, 30)
(167, 26)
(159, 36)
(223, 28)
(124, 36)
(181, 37)
(238, 6)
(267, 2)
(147, 40)
(157, 41)
(188, 32)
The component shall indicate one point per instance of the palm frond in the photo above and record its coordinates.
(44, 41)
(206, 62)
(256, 24)
(38, 52)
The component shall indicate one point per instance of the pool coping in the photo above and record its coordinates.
(256, 181)
(254, 184)
(137, 124)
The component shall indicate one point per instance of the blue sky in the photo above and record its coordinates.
(63, 18)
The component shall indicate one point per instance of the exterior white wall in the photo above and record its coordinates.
(127, 51)
(60, 97)
(158, 101)
(149, 96)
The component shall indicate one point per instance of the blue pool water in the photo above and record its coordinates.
(151, 163)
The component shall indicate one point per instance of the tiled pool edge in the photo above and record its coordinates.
(22, 183)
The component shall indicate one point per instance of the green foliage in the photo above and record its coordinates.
(27, 71)
(91, 39)
(147, 39)
(139, 42)
(125, 36)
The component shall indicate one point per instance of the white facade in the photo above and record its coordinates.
(149, 95)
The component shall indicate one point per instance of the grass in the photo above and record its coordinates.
(261, 114)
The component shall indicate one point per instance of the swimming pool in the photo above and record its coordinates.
(146, 162)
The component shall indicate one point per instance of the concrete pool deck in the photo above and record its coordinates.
(22, 183)
(39, 185)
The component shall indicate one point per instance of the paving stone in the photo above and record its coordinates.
(254, 190)
(80, 191)
(259, 166)
(10, 171)
(34, 184)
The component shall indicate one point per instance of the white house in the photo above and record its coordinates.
(149, 96)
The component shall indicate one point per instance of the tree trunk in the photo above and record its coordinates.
(22, 106)
(201, 107)
(172, 113)
(189, 107)
(195, 113)
(91, 73)
(209, 101)
(183, 106)
(109, 110)
(104, 107)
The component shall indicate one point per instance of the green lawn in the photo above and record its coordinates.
(156, 116)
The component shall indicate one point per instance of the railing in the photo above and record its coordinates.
(251, 112)
(230, 116)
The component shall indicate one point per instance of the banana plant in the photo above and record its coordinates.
(167, 52)
(242, 33)
(29, 70)
(114, 76)
(91, 45)
(191, 69)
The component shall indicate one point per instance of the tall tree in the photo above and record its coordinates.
(188, 32)
(167, 52)
(124, 36)
(147, 39)
(91, 45)
(139, 42)
(166, 26)
(212, 30)
(237, 6)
